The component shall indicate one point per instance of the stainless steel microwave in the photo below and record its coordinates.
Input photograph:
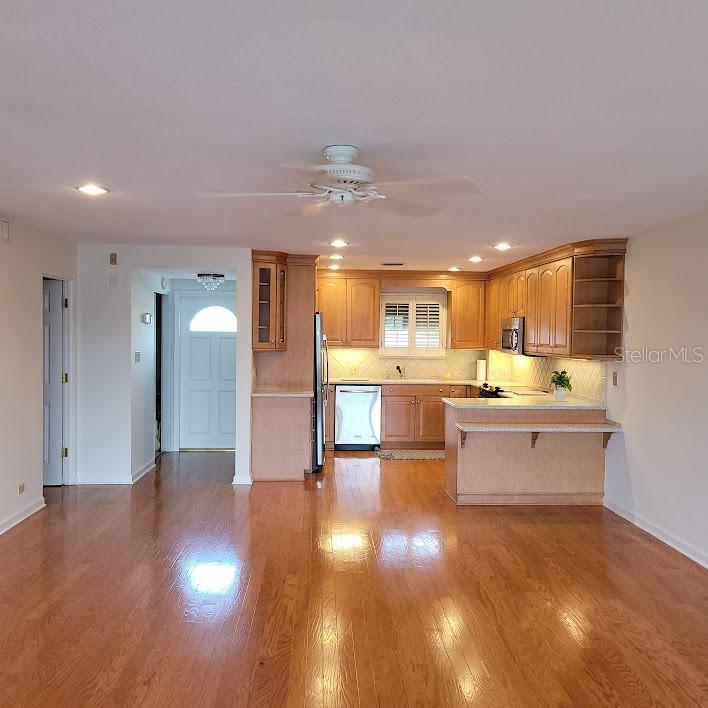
(512, 335)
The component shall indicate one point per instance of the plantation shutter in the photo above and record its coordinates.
(396, 318)
(427, 325)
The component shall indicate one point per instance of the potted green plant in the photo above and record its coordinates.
(560, 383)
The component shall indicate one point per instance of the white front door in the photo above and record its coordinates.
(207, 372)
(52, 372)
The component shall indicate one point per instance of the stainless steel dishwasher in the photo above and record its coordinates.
(357, 417)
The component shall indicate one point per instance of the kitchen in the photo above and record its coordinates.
(396, 351)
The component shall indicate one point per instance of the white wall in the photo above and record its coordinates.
(23, 262)
(144, 286)
(115, 407)
(657, 470)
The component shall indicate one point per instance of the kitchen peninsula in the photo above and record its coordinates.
(525, 450)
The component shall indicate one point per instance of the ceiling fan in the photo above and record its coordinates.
(340, 182)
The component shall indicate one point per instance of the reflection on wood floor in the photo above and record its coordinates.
(365, 586)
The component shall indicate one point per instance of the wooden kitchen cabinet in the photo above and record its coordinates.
(517, 294)
(467, 310)
(398, 418)
(555, 299)
(332, 304)
(531, 311)
(363, 308)
(270, 295)
(492, 314)
(458, 392)
(350, 310)
(429, 419)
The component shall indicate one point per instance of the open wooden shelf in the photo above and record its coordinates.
(598, 305)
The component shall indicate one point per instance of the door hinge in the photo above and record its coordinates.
(65, 303)
(65, 377)
(65, 452)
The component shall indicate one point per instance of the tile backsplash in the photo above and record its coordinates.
(366, 363)
(588, 377)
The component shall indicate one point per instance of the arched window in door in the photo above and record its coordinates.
(214, 318)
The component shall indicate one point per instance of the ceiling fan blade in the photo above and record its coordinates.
(452, 185)
(300, 166)
(399, 206)
(309, 209)
(237, 195)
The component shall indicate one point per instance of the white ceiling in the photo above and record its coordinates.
(576, 119)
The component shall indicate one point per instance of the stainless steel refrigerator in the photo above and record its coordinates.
(320, 399)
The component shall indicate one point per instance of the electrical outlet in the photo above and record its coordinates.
(614, 378)
(21, 488)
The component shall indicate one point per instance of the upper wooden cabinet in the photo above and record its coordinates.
(332, 304)
(350, 310)
(467, 314)
(270, 297)
(553, 309)
(363, 308)
(531, 311)
(493, 314)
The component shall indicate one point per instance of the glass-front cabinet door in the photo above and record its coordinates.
(270, 304)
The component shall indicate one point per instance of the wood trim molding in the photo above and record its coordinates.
(269, 256)
(300, 259)
(444, 279)
(598, 247)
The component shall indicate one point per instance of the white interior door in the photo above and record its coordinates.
(207, 372)
(53, 369)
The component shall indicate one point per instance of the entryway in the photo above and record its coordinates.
(55, 376)
(207, 371)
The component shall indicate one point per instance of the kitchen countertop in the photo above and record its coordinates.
(526, 403)
(282, 393)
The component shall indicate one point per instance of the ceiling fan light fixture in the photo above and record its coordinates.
(210, 281)
(503, 246)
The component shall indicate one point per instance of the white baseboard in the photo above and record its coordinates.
(10, 521)
(678, 544)
(142, 471)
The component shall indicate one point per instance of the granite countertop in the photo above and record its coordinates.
(527, 403)
(282, 393)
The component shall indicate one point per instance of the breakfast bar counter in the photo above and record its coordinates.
(526, 450)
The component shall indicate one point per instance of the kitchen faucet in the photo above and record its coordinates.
(402, 372)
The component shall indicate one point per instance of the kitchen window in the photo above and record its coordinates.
(413, 325)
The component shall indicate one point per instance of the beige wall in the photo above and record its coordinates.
(28, 257)
(657, 471)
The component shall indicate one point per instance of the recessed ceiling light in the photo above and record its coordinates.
(93, 190)
(335, 257)
(454, 269)
(503, 246)
(338, 243)
(475, 259)
(334, 266)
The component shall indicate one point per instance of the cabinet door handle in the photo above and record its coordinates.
(412, 403)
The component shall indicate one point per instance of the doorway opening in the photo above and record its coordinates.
(158, 374)
(55, 377)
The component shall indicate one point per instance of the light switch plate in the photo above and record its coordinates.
(4, 231)
(137, 357)
(614, 378)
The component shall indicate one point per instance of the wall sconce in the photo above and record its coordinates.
(146, 318)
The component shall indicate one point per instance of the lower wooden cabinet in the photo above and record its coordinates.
(398, 418)
(429, 419)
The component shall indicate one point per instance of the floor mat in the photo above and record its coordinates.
(410, 454)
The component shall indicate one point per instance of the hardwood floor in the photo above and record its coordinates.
(365, 586)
